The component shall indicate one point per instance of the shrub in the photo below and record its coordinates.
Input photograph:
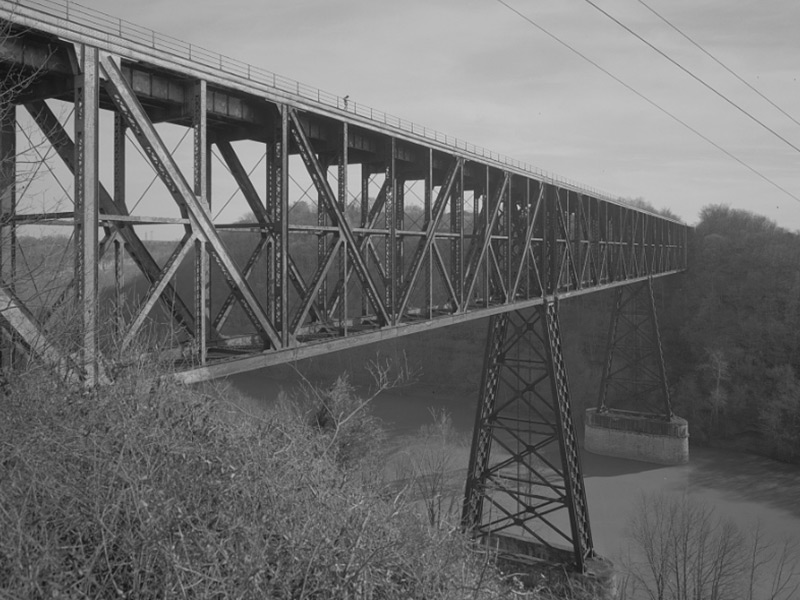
(172, 493)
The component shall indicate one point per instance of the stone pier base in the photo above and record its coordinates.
(535, 565)
(637, 436)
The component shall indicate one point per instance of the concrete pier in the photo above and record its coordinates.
(536, 564)
(638, 436)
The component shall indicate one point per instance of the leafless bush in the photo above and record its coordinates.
(427, 467)
(167, 492)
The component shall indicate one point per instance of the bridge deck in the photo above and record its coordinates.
(407, 230)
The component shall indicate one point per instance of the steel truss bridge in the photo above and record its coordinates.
(409, 230)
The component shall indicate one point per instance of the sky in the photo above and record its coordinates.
(477, 70)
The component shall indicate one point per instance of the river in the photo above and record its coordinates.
(748, 489)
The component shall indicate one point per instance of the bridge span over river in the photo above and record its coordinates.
(399, 229)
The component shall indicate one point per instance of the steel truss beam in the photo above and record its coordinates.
(424, 245)
(480, 246)
(137, 121)
(524, 477)
(336, 214)
(269, 231)
(492, 236)
(59, 139)
(364, 243)
(634, 375)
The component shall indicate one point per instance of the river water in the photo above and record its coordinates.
(748, 489)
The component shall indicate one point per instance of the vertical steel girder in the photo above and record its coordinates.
(428, 214)
(457, 241)
(322, 239)
(399, 242)
(202, 189)
(524, 477)
(390, 223)
(507, 241)
(486, 279)
(279, 205)
(87, 110)
(634, 375)
(362, 248)
(342, 284)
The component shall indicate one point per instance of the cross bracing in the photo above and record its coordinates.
(411, 229)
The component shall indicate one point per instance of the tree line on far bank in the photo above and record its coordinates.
(731, 335)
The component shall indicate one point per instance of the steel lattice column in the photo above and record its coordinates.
(87, 108)
(634, 376)
(524, 478)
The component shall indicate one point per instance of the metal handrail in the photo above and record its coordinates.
(116, 28)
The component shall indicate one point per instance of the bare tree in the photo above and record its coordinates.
(688, 552)
(718, 368)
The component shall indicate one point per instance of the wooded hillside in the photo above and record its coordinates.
(730, 328)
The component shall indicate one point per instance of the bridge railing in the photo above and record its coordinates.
(110, 28)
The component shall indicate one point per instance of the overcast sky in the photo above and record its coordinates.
(476, 70)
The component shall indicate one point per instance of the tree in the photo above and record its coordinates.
(733, 320)
(688, 552)
(718, 368)
(779, 415)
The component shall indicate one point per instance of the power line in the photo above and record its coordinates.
(693, 76)
(719, 62)
(649, 101)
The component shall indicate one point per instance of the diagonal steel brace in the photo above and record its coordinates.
(65, 147)
(128, 105)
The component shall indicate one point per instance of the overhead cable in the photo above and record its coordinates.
(649, 101)
(718, 61)
(695, 77)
